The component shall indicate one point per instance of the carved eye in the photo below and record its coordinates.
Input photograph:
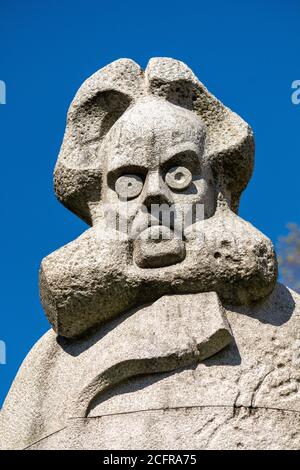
(128, 186)
(178, 178)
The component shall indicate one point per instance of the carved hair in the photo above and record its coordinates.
(107, 94)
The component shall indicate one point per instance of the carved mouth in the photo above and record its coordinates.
(156, 233)
(143, 222)
(157, 246)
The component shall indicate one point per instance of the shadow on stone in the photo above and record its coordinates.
(76, 346)
(276, 310)
(229, 356)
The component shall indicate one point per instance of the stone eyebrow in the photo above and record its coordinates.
(123, 168)
(181, 147)
(187, 155)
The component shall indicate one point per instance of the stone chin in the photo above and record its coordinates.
(157, 247)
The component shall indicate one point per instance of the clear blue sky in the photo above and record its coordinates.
(245, 52)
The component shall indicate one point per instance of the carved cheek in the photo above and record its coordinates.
(127, 211)
(201, 187)
(196, 193)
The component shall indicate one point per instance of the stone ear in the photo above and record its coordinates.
(229, 144)
(98, 104)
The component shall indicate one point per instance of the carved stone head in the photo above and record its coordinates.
(138, 140)
(154, 169)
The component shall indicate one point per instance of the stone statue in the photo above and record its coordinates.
(169, 328)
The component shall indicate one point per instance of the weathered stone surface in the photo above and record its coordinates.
(246, 396)
(127, 134)
(173, 332)
(140, 302)
(202, 428)
(104, 98)
(94, 278)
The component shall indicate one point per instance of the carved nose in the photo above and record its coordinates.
(156, 191)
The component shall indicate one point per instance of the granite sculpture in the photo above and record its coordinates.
(169, 329)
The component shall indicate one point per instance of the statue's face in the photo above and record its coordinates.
(154, 174)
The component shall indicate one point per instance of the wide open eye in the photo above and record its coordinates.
(128, 186)
(178, 178)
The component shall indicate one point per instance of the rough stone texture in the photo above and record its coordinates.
(246, 396)
(142, 354)
(172, 332)
(93, 278)
(199, 428)
(107, 94)
(128, 131)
